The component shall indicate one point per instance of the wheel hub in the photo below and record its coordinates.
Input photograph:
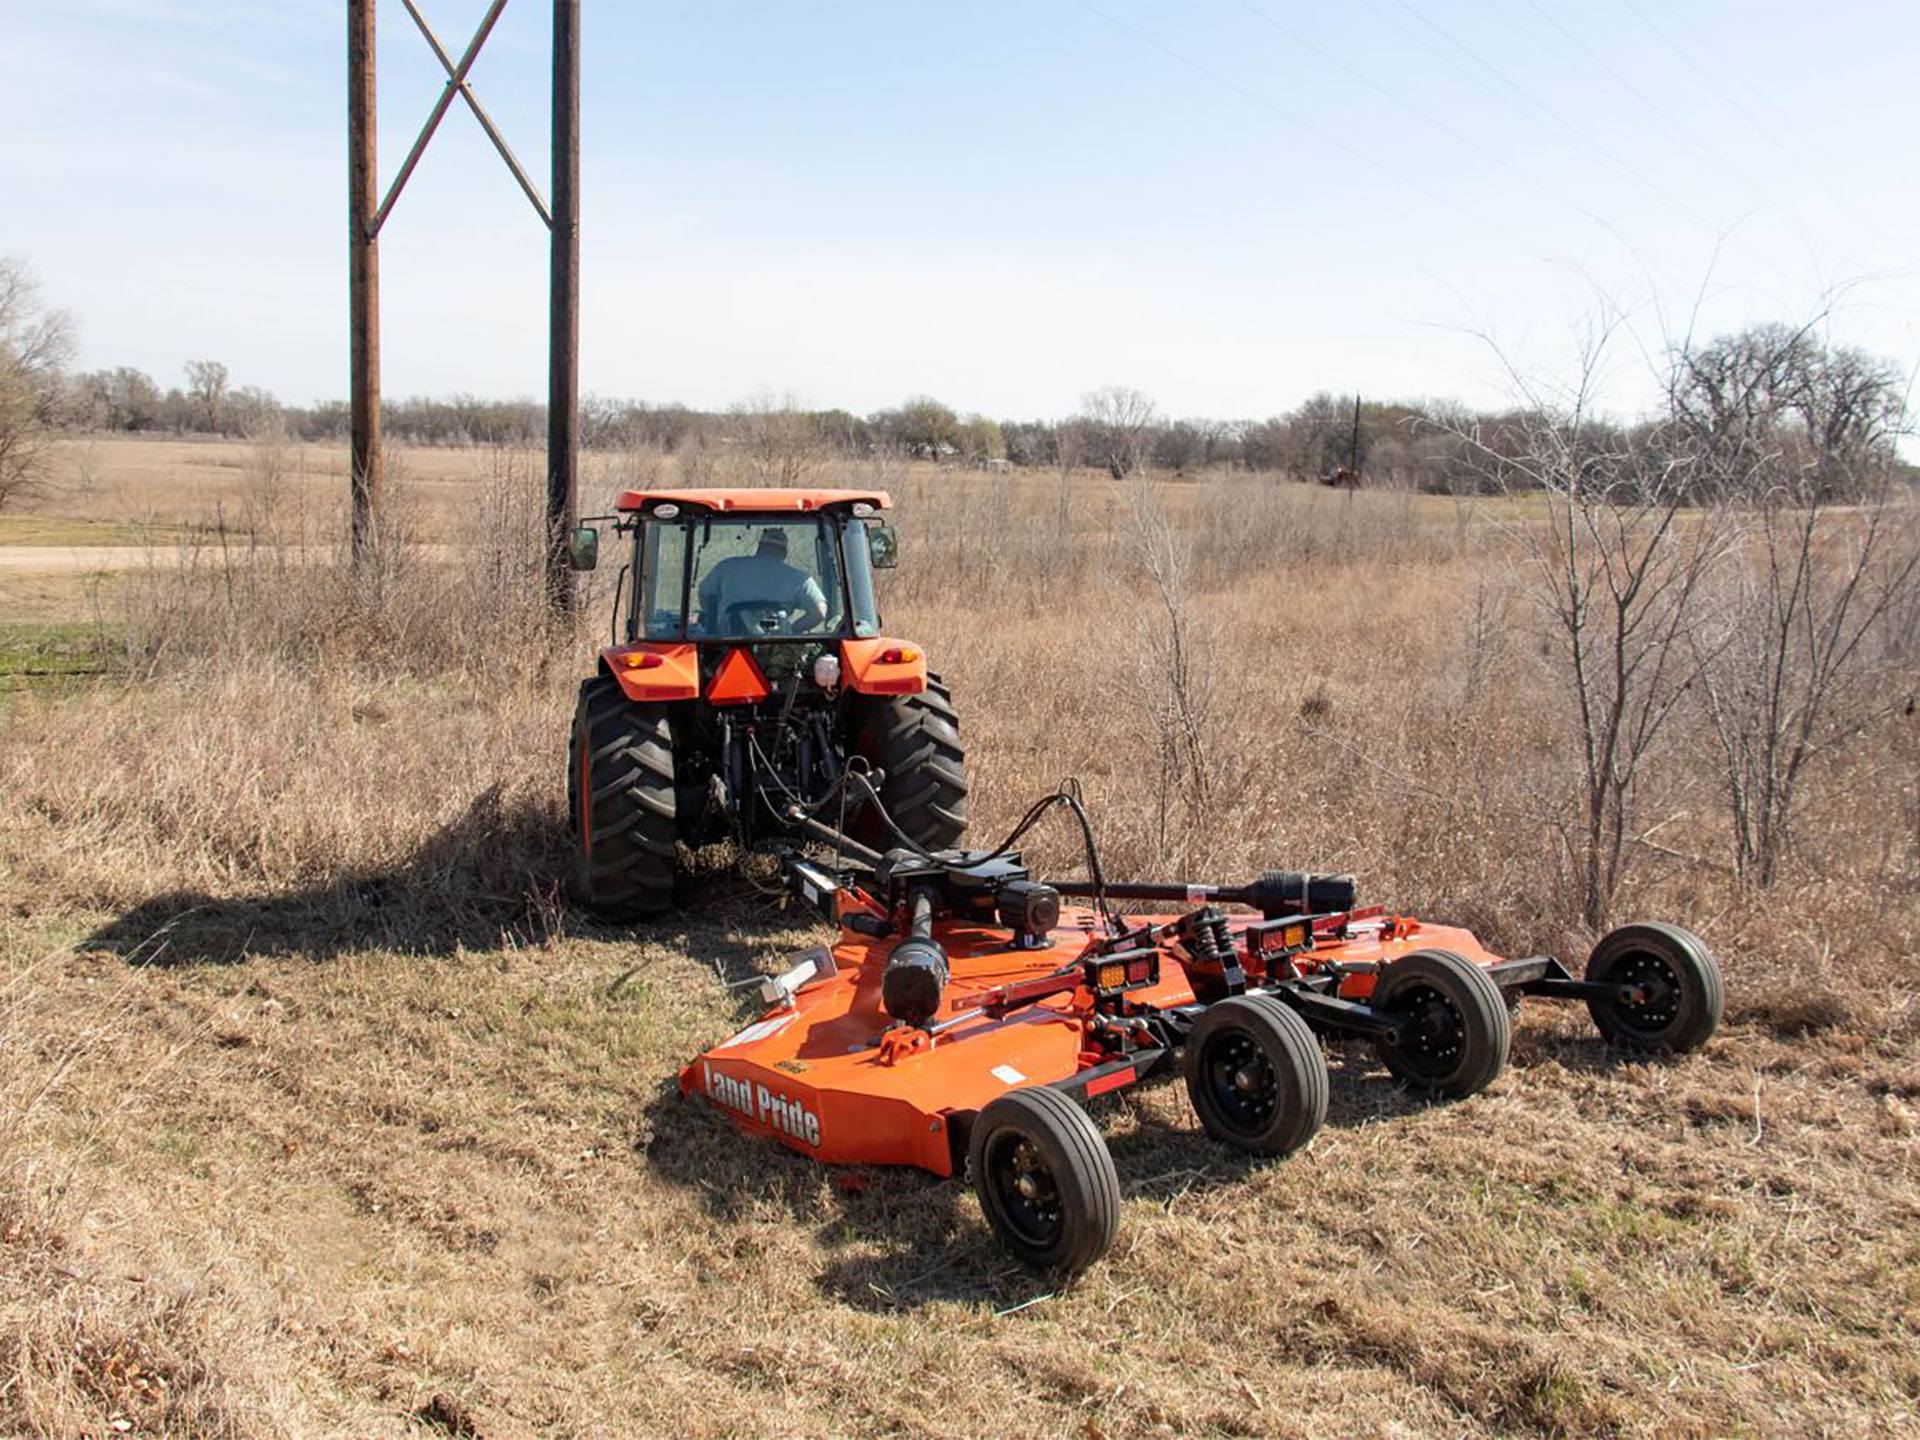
(1246, 1090)
(1656, 988)
(1029, 1197)
(1435, 1037)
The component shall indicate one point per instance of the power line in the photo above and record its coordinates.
(1261, 101)
(1655, 108)
(1427, 118)
(1758, 124)
(1638, 176)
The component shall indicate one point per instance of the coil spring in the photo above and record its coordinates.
(1211, 941)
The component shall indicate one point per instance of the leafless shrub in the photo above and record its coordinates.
(1792, 671)
(268, 483)
(411, 606)
(1620, 568)
(1174, 684)
(83, 464)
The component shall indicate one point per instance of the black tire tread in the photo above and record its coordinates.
(629, 874)
(1300, 1049)
(1483, 1007)
(1694, 1026)
(916, 740)
(1047, 1114)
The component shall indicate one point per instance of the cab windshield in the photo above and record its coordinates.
(713, 578)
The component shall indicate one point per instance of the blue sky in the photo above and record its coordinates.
(1227, 205)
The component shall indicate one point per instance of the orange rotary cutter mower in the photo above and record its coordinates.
(967, 1014)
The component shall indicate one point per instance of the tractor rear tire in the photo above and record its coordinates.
(915, 739)
(620, 803)
(1458, 1026)
(1686, 1008)
(1256, 1076)
(1045, 1179)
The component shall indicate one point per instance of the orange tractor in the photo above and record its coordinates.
(749, 674)
(966, 1013)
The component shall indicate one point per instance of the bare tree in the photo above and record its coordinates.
(1774, 397)
(1119, 424)
(207, 388)
(34, 343)
(780, 442)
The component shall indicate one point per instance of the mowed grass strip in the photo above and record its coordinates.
(56, 652)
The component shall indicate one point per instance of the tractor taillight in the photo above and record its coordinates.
(1143, 971)
(899, 655)
(1112, 976)
(642, 660)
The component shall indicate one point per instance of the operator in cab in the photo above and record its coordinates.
(761, 593)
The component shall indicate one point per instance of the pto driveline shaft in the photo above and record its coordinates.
(1276, 893)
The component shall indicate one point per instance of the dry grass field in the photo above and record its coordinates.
(322, 1113)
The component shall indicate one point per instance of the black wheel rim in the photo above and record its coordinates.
(1655, 1013)
(1024, 1190)
(1435, 1038)
(1241, 1082)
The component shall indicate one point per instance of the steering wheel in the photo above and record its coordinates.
(758, 617)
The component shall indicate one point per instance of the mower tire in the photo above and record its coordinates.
(1046, 1183)
(1457, 1026)
(1686, 996)
(915, 740)
(620, 803)
(1256, 1076)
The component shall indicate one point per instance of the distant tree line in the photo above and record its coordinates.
(1767, 391)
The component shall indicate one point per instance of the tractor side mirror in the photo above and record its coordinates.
(883, 546)
(583, 548)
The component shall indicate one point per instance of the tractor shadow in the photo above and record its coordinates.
(495, 870)
(496, 873)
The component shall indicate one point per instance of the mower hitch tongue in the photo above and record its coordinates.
(968, 1012)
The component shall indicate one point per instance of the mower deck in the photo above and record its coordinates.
(817, 1074)
(965, 1016)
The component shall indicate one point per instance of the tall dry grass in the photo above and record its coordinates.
(349, 788)
(1241, 673)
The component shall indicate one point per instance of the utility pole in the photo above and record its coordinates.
(365, 219)
(363, 278)
(563, 307)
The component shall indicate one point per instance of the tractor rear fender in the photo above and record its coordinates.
(883, 667)
(652, 673)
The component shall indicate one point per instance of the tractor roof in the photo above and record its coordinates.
(753, 500)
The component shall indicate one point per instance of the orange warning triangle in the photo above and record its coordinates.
(738, 681)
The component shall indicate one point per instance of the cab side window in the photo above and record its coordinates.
(663, 578)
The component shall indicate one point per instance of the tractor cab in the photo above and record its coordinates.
(753, 566)
(748, 674)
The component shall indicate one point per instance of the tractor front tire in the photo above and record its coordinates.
(915, 740)
(1457, 1029)
(620, 803)
(1685, 995)
(1045, 1179)
(1256, 1076)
